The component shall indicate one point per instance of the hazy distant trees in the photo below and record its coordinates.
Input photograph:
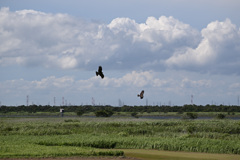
(124, 108)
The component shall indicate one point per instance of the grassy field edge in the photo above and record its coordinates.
(173, 155)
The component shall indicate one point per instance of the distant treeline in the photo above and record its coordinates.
(125, 108)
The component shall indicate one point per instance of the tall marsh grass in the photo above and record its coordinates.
(86, 136)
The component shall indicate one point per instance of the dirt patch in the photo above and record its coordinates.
(74, 158)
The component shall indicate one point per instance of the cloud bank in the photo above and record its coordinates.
(159, 88)
(32, 38)
(218, 51)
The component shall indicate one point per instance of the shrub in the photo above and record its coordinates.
(221, 116)
(191, 129)
(71, 120)
(104, 113)
(80, 112)
(180, 112)
(135, 114)
(110, 153)
(192, 115)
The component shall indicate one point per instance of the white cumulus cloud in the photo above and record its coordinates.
(218, 52)
(31, 38)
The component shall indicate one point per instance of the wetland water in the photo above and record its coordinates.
(178, 117)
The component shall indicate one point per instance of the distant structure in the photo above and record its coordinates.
(54, 101)
(62, 101)
(170, 103)
(238, 100)
(120, 103)
(192, 99)
(27, 100)
(61, 111)
(93, 101)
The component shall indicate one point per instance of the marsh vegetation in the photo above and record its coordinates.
(54, 137)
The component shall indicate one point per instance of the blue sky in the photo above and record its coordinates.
(196, 13)
(171, 49)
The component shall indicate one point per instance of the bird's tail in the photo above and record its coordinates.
(138, 95)
(96, 73)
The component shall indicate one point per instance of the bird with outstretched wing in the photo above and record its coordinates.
(99, 72)
(141, 94)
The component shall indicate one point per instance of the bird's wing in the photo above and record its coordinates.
(102, 75)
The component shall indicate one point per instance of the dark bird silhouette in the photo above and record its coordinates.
(99, 72)
(141, 94)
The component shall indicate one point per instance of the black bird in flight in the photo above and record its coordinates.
(99, 72)
(141, 94)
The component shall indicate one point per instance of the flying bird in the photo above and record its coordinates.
(141, 94)
(99, 72)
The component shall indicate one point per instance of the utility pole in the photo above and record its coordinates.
(238, 100)
(93, 101)
(120, 103)
(62, 101)
(54, 101)
(192, 99)
(27, 100)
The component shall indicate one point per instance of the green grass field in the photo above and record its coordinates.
(64, 137)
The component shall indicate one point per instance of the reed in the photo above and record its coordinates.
(87, 136)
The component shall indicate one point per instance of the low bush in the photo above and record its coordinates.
(135, 114)
(191, 115)
(80, 112)
(221, 116)
(104, 113)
